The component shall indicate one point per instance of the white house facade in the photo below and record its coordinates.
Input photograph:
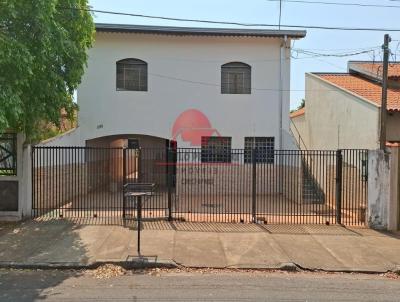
(157, 84)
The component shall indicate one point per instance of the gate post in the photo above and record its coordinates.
(254, 183)
(169, 180)
(123, 182)
(339, 181)
(32, 175)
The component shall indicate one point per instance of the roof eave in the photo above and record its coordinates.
(198, 31)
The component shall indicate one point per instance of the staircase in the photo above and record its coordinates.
(312, 192)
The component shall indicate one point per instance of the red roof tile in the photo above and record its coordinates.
(298, 112)
(377, 68)
(364, 88)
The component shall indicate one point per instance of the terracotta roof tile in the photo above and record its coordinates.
(376, 68)
(298, 112)
(364, 88)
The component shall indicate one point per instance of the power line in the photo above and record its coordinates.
(344, 49)
(252, 88)
(338, 3)
(316, 55)
(338, 55)
(237, 23)
(309, 54)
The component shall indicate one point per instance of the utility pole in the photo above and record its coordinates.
(382, 137)
(280, 13)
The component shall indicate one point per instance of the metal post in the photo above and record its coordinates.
(123, 182)
(33, 206)
(139, 168)
(383, 114)
(139, 218)
(339, 163)
(282, 64)
(254, 183)
(280, 14)
(169, 184)
(398, 189)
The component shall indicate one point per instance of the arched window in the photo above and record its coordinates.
(236, 78)
(132, 75)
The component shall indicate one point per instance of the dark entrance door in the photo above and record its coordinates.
(133, 143)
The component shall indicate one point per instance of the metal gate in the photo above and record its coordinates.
(242, 185)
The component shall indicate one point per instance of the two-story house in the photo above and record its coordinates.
(147, 85)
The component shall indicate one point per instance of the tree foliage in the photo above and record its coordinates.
(302, 104)
(43, 53)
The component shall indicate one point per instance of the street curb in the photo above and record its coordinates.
(133, 264)
(46, 265)
(169, 264)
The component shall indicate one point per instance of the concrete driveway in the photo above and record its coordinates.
(317, 247)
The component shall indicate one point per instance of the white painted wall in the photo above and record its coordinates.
(66, 139)
(300, 131)
(193, 59)
(337, 119)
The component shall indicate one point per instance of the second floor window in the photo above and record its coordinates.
(235, 78)
(132, 75)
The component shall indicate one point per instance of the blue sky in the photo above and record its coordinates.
(264, 11)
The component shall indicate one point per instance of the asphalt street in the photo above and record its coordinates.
(172, 285)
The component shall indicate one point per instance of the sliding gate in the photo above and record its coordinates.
(239, 185)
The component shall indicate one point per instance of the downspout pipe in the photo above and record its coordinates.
(282, 58)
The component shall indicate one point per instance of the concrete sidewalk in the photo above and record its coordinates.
(331, 248)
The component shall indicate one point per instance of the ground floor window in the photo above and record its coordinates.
(216, 149)
(264, 148)
(8, 154)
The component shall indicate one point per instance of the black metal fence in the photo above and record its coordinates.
(281, 187)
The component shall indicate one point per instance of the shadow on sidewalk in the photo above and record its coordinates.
(219, 227)
(209, 227)
(33, 244)
(332, 230)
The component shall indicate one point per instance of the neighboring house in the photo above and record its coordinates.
(146, 86)
(343, 109)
